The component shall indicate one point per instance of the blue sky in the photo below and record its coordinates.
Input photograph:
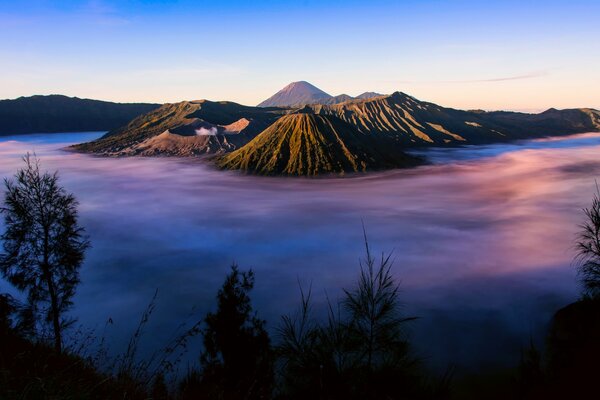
(523, 55)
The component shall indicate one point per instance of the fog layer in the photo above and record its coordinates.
(482, 239)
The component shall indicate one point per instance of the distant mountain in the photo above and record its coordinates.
(301, 93)
(368, 95)
(550, 122)
(308, 144)
(296, 94)
(338, 99)
(56, 113)
(353, 135)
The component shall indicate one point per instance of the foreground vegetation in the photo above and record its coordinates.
(361, 350)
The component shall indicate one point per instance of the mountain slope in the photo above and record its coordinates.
(216, 126)
(412, 122)
(354, 135)
(308, 144)
(296, 94)
(171, 144)
(56, 113)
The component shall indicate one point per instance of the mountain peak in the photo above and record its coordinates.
(304, 85)
(301, 93)
(296, 94)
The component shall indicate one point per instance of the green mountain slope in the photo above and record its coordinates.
(308, 144)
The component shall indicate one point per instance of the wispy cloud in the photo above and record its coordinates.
(531, 75)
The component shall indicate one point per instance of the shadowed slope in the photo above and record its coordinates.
(57, 113)
(308, 144)
(549, 122)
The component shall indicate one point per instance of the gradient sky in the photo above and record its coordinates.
(522, 55)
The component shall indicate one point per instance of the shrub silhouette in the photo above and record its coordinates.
(237, 360)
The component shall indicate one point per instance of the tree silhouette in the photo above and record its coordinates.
(237, 360)
(8, 309)
(588, 248)
(360, 351)
(376, 323)
(43, 243)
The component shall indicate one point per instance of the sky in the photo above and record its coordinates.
(511, 55)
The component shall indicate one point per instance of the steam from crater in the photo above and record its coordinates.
(207, 132)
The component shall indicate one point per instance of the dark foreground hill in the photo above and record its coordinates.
(56, 113)
(308, 144)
